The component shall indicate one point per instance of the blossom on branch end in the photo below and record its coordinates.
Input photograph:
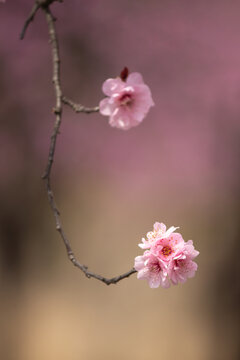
(169, 259)
(128, 100)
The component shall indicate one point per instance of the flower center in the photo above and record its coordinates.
(125, 99)
(180, 263)
(155, 268)
(166, 250)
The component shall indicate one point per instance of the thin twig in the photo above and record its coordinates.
(38, 4)
(30, 18)
(58, 118)
(78, 107)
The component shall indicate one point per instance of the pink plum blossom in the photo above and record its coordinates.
(159, 232)
(182, 267)
(166, 248)
(128, 100)
(153, 269)
(169, 258)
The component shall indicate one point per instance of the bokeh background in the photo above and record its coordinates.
(180, 166)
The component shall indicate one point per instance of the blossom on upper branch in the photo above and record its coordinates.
(169, 259)
(128, 100)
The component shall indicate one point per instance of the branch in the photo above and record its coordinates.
(44, 5)
(57, 87)
(30, 18)
(70, 253)
(78, 107)
(38, 4)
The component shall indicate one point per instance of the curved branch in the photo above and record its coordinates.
(58, 118)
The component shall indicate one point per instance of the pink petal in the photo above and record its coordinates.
(139, 263)
(154, 281)
(134, 78)
(159, 227)
(190, 251)
(143, 274)
(111, 86)
(144, 94)
(165, 283)
(106, 107)
(121, 119)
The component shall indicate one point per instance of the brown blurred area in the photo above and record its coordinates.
(180, 166)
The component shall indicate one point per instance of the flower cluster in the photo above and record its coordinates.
(167, 259)
(128, 100)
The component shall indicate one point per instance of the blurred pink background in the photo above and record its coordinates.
(180, 166)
